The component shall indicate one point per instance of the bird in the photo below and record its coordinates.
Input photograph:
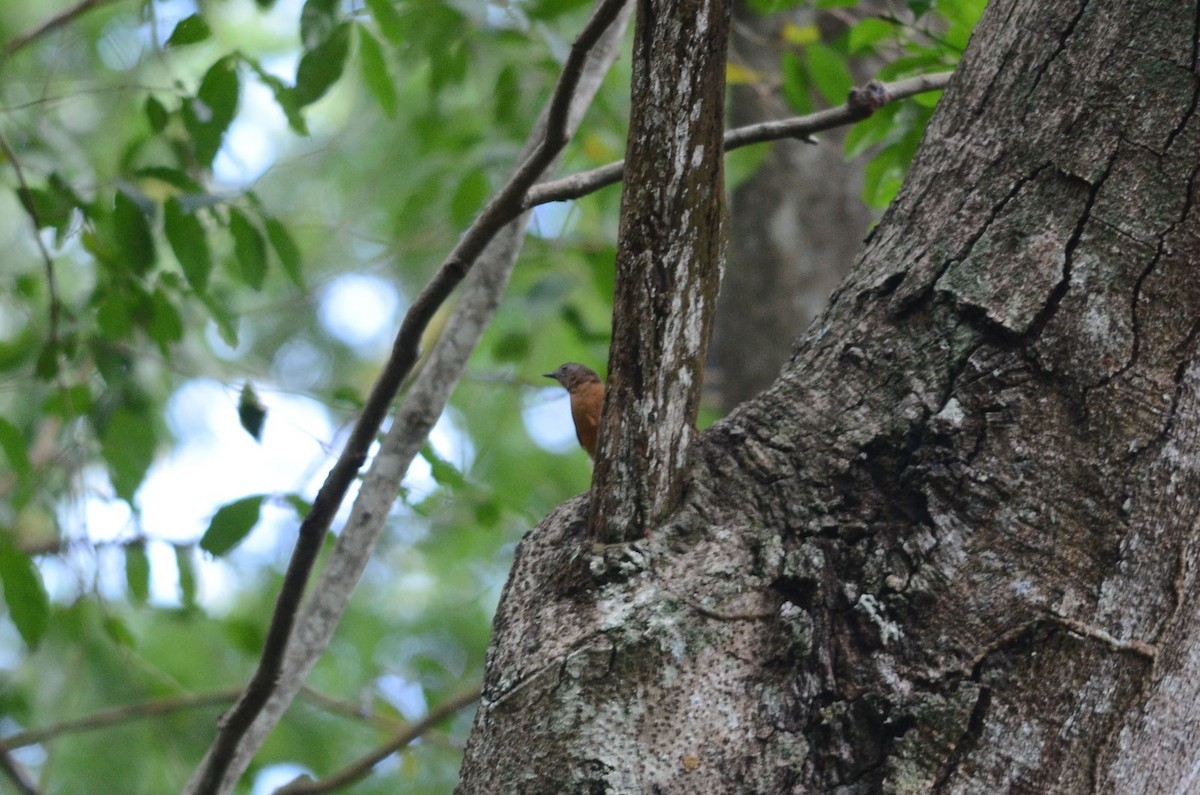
(587, 398)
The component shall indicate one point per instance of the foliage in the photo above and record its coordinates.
(182, 282)
(919, 37)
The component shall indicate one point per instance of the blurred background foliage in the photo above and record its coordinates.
(234, 201)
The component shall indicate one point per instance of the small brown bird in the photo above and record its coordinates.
(587, 397)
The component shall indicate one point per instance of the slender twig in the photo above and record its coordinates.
(349, 709)
(503, 207)
(166, 706)
(861, 105)
(124, 714)
(363, 765)
(17, 774)
(53, 23)
(47, 260)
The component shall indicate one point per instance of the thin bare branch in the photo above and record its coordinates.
(869, 99)
(503, 208)
(166, 706)
(363, 766)
(17, 774)
(53, 23)
(110, 717)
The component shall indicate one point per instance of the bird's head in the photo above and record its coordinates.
(573, 374)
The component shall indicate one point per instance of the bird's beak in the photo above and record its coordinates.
(549, 375)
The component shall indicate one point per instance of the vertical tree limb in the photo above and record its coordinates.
(669, 261)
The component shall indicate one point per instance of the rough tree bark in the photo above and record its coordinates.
(954, 548)
(669, 262)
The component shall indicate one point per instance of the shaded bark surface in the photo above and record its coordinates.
(954, 547)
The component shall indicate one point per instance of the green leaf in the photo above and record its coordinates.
(870, 131)
(768, 7)
(321, 67)
(189, 31)
(186, 564)
(186, 235)
(286, 249)
(137, 571)
(70, 402)
(52, 206)
(285, 97)
(251, 412)
(133, 237)
(468, 198)
(795, 83)
(219, 302)
(157, 114)
(230, 524)
(165, 324)
(347, 395)
(179, 180)
(375, 72)
(882, 177)
(511, 347)
(317, 21)
(388, 20)
(444, 473)
(118, 631)
(743, 163)
(829, 73)
(208, 115)
(15, 449)
(919, 7)
(46, 366)
(249, 247)
(963, 15)
(869, 32)
(127, 443)
(507, 96)
(487, 513)
(114, 316)
(300, 505)
(28, 604)
(928, 60)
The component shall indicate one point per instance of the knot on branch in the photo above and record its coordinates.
(865, 100)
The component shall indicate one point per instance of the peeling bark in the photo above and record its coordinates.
(954, 548)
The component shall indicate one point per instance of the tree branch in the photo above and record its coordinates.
(17, 774)
(123, 714)
(861, 105)
(53, 23)
(423, 404)
(503, 208)
(166, 706)
(363, 766)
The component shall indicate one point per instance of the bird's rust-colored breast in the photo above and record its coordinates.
(586, 402)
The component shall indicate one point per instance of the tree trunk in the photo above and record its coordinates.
(954, 547)
(795, 226)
